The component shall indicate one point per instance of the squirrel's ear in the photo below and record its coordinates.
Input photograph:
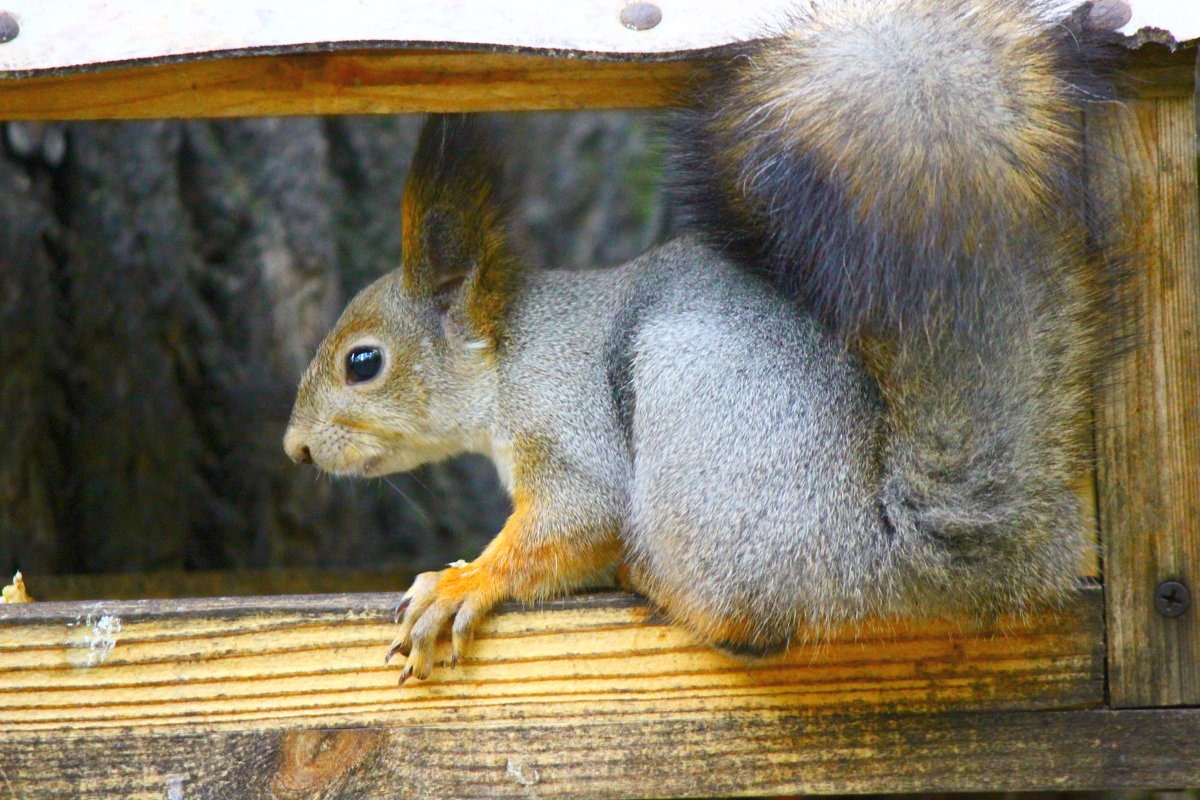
(454, 215)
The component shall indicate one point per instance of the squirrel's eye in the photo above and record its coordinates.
(363, 363)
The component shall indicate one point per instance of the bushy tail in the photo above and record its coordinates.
(910, 171)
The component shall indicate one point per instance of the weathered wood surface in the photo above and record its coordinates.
(390, 81)
(69, 34)
(1157, 71)
(288, 697)
(343, 83)
(280, 661)
(691, 752)
(1148, 426)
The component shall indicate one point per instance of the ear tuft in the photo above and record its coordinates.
(454, 210)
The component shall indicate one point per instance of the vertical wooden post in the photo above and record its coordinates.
(1148, 420)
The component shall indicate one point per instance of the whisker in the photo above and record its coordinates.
(416, 477)
(416, 507)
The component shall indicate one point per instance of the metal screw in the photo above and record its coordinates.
(1108, 15)
(1172, 599)
(641, 16)
(8, 27)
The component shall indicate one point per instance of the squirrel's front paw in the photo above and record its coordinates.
(462, 593)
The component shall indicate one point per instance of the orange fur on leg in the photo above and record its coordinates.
(525, 561)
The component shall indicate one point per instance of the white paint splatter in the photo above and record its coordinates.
(522, 774)
(101, 638)
(95, 639)
(174, 787)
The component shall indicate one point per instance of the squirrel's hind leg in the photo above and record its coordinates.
(736, 634)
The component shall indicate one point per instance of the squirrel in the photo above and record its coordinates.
(857, 386)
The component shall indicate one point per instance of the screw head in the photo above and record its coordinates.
(1172, 599)
(641, 16)
(8, 27)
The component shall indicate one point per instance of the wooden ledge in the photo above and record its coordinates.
(586, 697)
(387, 82)
(328, 78)
(272, 663)
(693, 753)
(355, 82)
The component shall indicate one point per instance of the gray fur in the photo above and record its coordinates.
(761, 473)
(765, 460)
(755, 483)
(751, 478)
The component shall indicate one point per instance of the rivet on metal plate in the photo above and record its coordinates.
(641, 16)
(8, 27)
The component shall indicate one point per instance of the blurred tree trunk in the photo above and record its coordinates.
(162, 286)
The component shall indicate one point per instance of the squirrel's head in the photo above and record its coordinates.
(407, 374)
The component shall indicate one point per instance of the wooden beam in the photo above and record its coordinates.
(589, 696)
(1148, 425)
(358, 82)
(272, 662)
(396, 81)
(1154, 70)
(690, 752)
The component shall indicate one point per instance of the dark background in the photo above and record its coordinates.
(163, 284)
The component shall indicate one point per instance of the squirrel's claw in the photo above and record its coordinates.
(458, 597)
(405, 674)
(400, 646)
(401, 607)
(466, 619)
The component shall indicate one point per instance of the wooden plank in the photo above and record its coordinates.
(1148, 425)
(689, 752)
(395, 81)
(1157, 71)
(73, 33)
(284, 661)
(343, 83)
(588, 697)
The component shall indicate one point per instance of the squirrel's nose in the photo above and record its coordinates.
(297, 451)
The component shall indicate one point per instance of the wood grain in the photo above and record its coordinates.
(690, 752)
(396, 81)
(1153, 70)
(1148, 425)
(362, 82)
(275, 662)
(586, 697)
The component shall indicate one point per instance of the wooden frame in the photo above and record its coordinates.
(593, 697)
(586, 697)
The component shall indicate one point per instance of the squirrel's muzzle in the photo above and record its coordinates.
(295, 447)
